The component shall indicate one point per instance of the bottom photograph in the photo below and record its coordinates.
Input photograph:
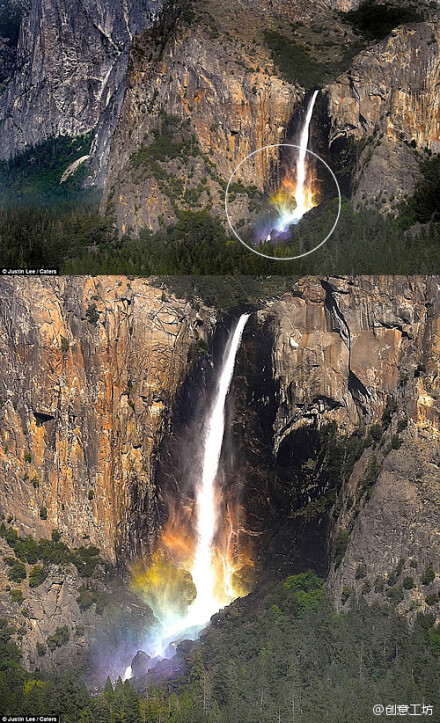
(219, 499)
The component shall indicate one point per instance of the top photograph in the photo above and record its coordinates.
(211, 137)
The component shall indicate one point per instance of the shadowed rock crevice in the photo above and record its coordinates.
(42, 417)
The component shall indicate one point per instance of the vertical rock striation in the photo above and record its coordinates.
(90, 367)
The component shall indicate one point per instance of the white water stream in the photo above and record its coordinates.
(301, 197)
(203, 573)
(208, 600)
(301, 161)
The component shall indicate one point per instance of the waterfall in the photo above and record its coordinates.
(213, 590)
(203, 573)
(301, 161)
(295, 194)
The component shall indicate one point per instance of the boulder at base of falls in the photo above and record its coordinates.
(165, 669)
(140, 664)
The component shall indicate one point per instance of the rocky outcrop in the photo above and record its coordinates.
(343, 346)
(90, 367)
(393, 541)
(66, 619)
(390, 100)
(70, 72)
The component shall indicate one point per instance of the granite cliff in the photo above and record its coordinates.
(389, 102)
(364, 351)
(210, 84)
(342, 346)
(89, 370)
(68, 73)
(90, 367)
(335, 431)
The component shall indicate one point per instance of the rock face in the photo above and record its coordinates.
(109, 626)
(342, 346)
(214, 75)
(140, 664)
(394, 539)
(223, 104)
(11, 15)
(342, 349)
(345, 5)
(70, 72)
(390, 99)
(90, 367)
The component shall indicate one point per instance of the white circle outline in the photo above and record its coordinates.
(282, 258)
